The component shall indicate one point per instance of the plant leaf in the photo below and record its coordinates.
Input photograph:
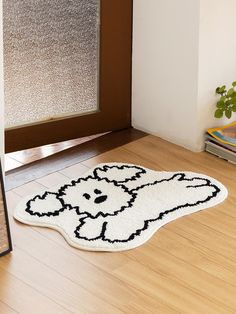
(219, 113)
(233, 101)
(220, 104)
(234, 108)
(230, 92)
(234, 84)
(221, 90)
(223, 98)
(227, 103)
(228, 113)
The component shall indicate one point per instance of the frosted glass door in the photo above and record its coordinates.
(51, 57)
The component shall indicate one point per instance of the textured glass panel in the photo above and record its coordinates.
(51, 58)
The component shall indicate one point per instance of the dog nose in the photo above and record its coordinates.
(100, 199)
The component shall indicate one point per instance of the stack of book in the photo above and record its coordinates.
(222, 142)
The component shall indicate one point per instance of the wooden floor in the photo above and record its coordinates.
(189, 266)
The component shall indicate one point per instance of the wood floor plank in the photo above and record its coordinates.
(29, 188)
(51, 284)
(53, 179)
(203, 284)
(22, 297)
(188, 266)
(205, 236)
(118, 155)
(191, 252)
(74, 171)
(160, 284)
(217, 220)
(5, 309)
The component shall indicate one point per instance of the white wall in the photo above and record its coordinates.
(217, 58)
(182, 50)
(165, 68)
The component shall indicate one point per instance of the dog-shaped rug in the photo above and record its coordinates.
(116, 206)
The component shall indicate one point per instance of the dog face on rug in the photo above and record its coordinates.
(120, 206)
(102, 194)
(96, 197)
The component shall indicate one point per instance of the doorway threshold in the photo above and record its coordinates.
(69, 157)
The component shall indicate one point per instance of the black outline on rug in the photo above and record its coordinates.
(122, 208)
(104, 168)
(43, 197)
(133, 193)
(161, 215)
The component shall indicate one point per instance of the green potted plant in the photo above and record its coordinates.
(227, 102)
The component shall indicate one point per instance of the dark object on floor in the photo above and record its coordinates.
(5, 237)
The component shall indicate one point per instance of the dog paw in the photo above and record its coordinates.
(47, 204)
(90, 229)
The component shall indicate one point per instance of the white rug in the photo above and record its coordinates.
(116, 207)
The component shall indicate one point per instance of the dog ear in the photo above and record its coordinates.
(120, 173)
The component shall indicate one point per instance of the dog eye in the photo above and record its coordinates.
(87, 196)
(96, 191)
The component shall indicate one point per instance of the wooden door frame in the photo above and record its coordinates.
(114, 91)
